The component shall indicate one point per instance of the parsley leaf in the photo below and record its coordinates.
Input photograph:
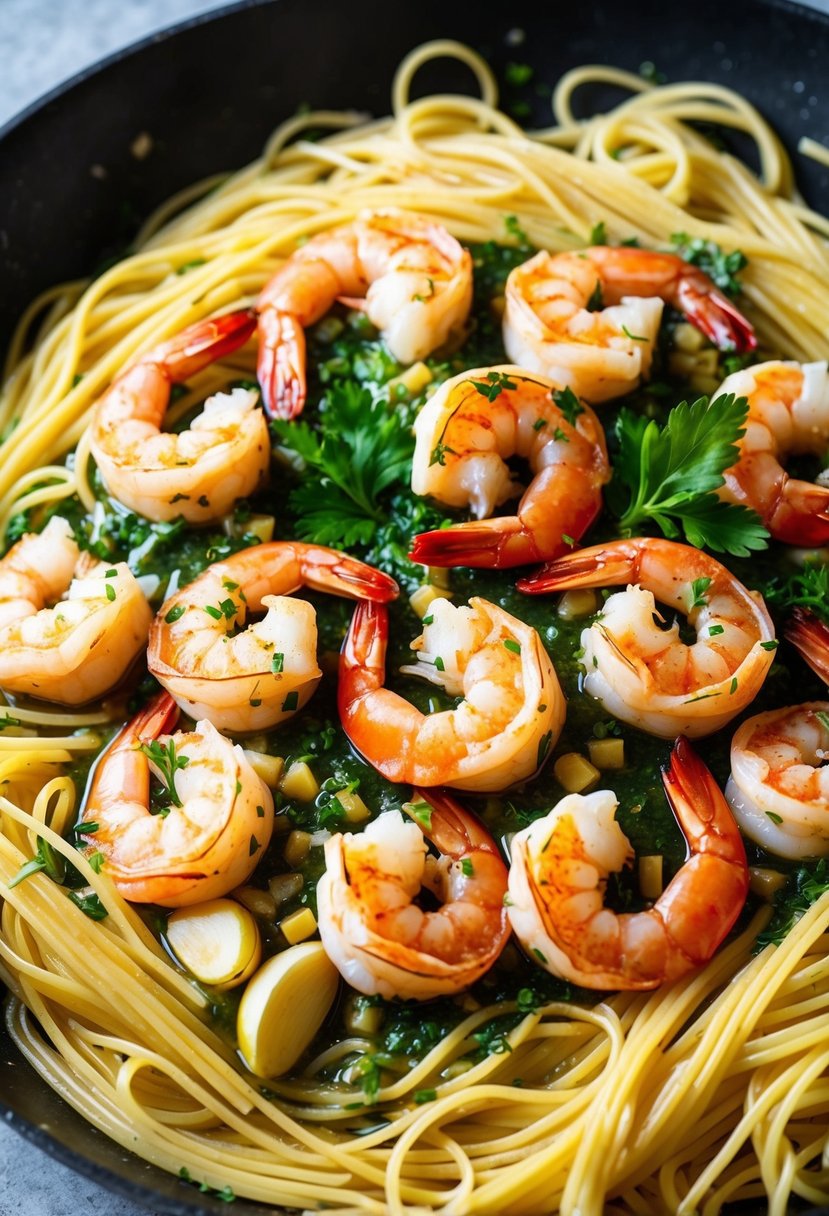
(361, 449)
(167, 761)
(668, 475)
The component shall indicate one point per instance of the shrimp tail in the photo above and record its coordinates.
(597, 566)
(363, 657)
(203, 343)
(486, 544)
(717, 317)
(280, 367)
(334, 572)
(158, 717)
(453, 830)
(801, 515)
(810, 637)
(717, 864)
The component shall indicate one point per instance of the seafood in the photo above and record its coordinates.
(74, 649)
(377, 937)
(779, 787)
(590, 318)
(637, 665)
(251, 678)
(411, 277)
(502, 731)
(788, 415)
(558, 875)
(466, 433)
(198, 474)
(210, 835)
(810, 636)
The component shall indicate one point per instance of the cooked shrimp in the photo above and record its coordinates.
(199, 474)
(501, 732)
(637, 665)
(788, 415)
(207, 839)
(378, 938)
(810, 636)
(412, 277)
(74, 649)
(558, 875)
(246, 679)
(590, 318)
(779, 787)
(465, 435)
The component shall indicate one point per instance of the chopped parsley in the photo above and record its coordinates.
(167, 761)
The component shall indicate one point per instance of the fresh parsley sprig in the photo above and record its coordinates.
(361, 450)
(167, 760)
(667, 476)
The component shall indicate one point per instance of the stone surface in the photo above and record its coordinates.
(43, 42)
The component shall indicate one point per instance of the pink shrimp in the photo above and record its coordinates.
(371, 928)
(200, 473)
(218, 819)
(412, 277)
(558, 877)
(465, 434)
(788, 415)
(589, 319)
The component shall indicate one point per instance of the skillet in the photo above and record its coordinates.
(208, 93)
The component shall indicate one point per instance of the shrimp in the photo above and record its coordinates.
(788, 415)
(69, 650)
(213, 830)
(248, 679)
(637, 665)
(466, 433)
(372, 930)
(558, 875)
(412, 277)
(199, 474)
(501, 732)
(556, 319)
(810, 637)
(779, 787)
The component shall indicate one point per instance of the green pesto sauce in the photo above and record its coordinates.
(356, 352)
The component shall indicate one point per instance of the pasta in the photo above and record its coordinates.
(705, 1091)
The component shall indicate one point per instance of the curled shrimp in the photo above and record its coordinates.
(637, 665)
(810, 637)
(412, 277)
(558, 875)
(211, 834)
(372, 930)
(788, 415)
(246, 678)
(466, 433)
(74, 649)
(502, 731)
(200, 473)
(590, 318)
(779, 787)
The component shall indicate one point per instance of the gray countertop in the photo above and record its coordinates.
(42, 42)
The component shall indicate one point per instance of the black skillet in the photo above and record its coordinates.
(208, 94)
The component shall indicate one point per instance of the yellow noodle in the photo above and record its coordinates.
(680, 1100)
